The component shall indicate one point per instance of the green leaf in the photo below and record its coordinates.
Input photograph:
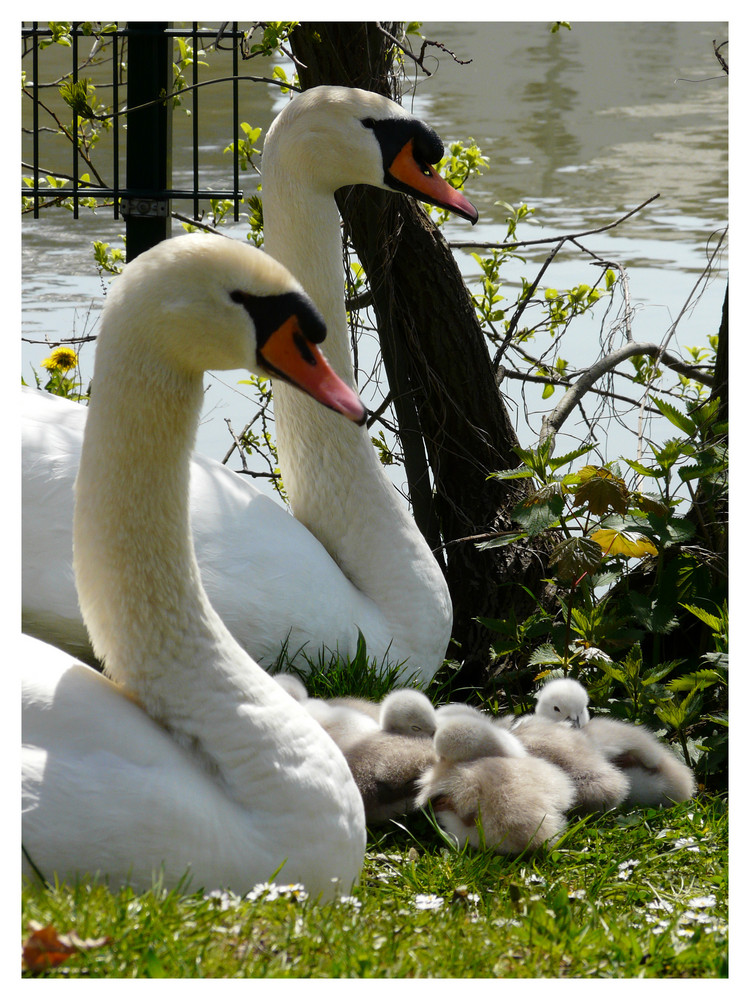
(575, 556)
(557, 463)
(545, 655)
(674, 416)
(506, 538)
(643, 470)
(539, 511)
(520, 473)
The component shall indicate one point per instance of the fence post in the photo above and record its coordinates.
(146, 206)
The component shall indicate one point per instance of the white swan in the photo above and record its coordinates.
(194, 760)
(352, 557)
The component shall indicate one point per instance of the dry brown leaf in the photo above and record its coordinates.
(45, 948)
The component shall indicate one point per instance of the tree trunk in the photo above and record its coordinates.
(453, 424)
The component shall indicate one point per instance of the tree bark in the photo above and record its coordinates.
(454, 427)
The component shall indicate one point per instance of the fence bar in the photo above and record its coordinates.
(196, 169)
(144, 199)
(116, 129)
(74, 44)
(35, 138)
(149, 149)
(236, 116)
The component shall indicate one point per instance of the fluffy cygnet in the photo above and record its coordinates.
(387, 763)
(344, 725)
(454, 708)
(292, 685)
(483, 778)
(386, 768)
(599, 785)
(406, 712)
(656, 775)
(371, 708)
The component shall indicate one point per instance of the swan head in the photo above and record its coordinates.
(463, 737)
(563, 700)
(200, 302)
(407, 713)
(343, 136)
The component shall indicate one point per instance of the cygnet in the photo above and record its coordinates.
(371, 708)
(563, 700)
(407, 712)
(386, 768)
(657, 776)
(292, 685)
(387, 763)
(344, 725)
(483, 778)
(454, 708)
(599, 785)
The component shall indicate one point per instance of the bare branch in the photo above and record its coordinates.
(511, 244)
(554, 421)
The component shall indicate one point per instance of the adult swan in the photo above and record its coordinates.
(351, 558)
(194, 760)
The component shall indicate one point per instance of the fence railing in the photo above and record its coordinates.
(144, 51)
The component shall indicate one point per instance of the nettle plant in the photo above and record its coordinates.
(628, 570)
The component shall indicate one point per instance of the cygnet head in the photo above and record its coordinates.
(563, 700)
(456, 708)
(407, 713)
(292, 685)
(463, 737)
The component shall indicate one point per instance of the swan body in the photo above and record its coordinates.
(485, 789)
(187, 759)
(351, 559)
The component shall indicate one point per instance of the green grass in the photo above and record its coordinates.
(639, 894)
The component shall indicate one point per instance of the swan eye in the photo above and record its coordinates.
(368, 122)
(556, 708)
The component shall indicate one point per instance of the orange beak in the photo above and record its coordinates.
(425, 182)
(288, 354)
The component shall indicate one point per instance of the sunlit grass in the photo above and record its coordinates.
(639, 894)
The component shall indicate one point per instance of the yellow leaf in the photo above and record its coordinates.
(624, 543)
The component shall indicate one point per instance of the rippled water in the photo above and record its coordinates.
(583, 125)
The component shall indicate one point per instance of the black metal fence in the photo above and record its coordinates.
(142, 88)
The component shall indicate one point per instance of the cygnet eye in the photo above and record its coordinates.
(556, 708)
(416, 729)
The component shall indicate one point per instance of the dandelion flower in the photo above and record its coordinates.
(62, 359)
